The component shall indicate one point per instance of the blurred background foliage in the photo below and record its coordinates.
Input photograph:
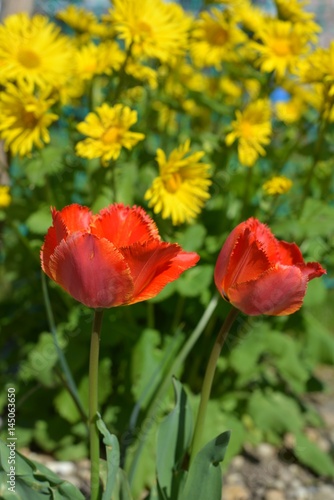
(269, 364)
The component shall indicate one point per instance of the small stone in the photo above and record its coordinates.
(238, 462)
(236, 492)
(325, 492)
(64, 469)
(234, 478)
(274, 495)
(265, 451)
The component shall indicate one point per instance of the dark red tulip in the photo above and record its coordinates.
(259, 274)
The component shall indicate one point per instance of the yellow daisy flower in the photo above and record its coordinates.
(293, 10)
(25, 118)
(252, 130)
(318, 67)
(108, 132)
(92, 59)
(277, 185)
(181, 189)
(33, 50)
(282, 44)
(151, 27)
(77, 18)
(214, 39)
(251, 17)
(5, 197)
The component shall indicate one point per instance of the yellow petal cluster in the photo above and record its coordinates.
(277, 185)
(107, 131)
(252, 130)
(181, 189)
(25, 118)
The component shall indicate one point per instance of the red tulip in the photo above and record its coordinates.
(113, 258)
(259, 274)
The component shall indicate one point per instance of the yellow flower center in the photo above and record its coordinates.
(29, 59)
(282, 47)
(217, 35)
(173, 182)
(111, 135)
(29, 119)
(246, 130)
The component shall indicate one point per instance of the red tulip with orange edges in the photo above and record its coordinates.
(259, 274)
(113, 258)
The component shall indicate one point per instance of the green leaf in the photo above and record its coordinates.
(33, 481)
(312, 456)
(195, 280)
(192, 238)
(113, 458)
(174, 438)
(204, 479)
(39, 222)
(275, 412)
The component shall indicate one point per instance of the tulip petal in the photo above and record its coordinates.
(155, 264)
(289, 254)
(278, 292)
(124, 226)
(49, 245)
(247, 261)
(225, 253)
(92, 270)
(312, 270)
(70, 219)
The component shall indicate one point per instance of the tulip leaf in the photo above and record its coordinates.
(192, 238)
(33, 481)
(113, 458)
(204, 479)
(174, 438)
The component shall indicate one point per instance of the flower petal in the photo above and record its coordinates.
(92, 270)
(155, 264)
(247, 261)
(70, 219)
(279, 291)
(49, 245)
(289, 253)
(124, 225)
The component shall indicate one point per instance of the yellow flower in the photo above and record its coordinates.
(252, 129)
(5, 197)
(108, 132)
(77, 18)
(282, 45)
(33, 50)
(25, 118)
(277, 185)
(215, 38)
(181, 189)
(92, 59)
(252, 18)
(318, 67)
(293, 10)
(151, 27)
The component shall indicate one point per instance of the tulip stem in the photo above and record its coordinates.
(207, 382)
(93, 404)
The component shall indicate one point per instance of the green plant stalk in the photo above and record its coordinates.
(155, 406)
(69, 381)
(207, 382)
(93, 405)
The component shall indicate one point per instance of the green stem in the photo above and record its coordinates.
(69, 381)
(93, 404)
(207, 382)
(245, 201)
(155, 407)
